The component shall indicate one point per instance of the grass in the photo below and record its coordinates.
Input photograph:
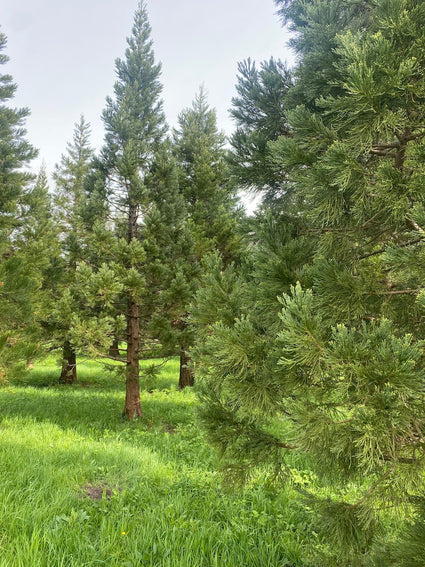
(81, 487)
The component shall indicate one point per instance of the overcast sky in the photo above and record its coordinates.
(62, 57)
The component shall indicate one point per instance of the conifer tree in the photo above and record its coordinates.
(361, 186)
(343, 361)
(205, 184)
(135, 127)
(17, 284)
(36, 249)
(316, 26)
(259, 111)
(210, 201)
(171, 265)
(70, 203)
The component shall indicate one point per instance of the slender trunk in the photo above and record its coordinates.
(69, 364)
(400, 156)
(186, 377)
(114, 348)
(132, 408)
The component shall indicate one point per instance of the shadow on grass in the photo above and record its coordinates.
(102, 375)
(87, 410)
(167, 426)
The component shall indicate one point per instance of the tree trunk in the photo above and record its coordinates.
(114, 348)
(132, 407)
(186, 377)
(69, 365)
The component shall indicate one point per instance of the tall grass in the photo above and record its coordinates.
(81, 487)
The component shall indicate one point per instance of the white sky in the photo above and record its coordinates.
(62, 55)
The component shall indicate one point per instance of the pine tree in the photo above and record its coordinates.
(210, 199)
(259, 112)
(17, 284)
(70, 204)
(343, 361)
(135, 127)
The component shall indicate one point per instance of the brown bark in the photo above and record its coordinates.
(69, 364)
(400, 156)
(132, 408)
(186, 377)
(114, 348)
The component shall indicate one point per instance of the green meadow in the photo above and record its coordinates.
(79, 486)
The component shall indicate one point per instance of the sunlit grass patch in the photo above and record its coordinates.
(158, 498)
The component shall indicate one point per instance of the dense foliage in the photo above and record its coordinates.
(337, 351)
(305, 322)
(25, 233)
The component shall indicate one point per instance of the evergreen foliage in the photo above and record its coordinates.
(260, 117)
(343, 360)
(23, 207)
(135, 126)
(70, 203)
(149, 249)
(210, 200)
(308, 334)
(208, 193)
(170, 264)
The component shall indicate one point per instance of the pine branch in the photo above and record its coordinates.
(394, 292)
(328, 230)
(416, 226)
(384, 249)
(385, 146)
(403, 460)
(408, 136)
(382, 153)
(373, 487)
(286, 446)
(375, 216)
(376, 237)
(319, 346)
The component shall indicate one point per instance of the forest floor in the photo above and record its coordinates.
(79, 486)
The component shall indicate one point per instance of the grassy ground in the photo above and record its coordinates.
(81, 487)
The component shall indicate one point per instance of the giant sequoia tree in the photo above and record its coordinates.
(343, 360)
(170, 263)
(135, 127)
(209, 198)
(204, 181)
(70, 204)
(259, 112)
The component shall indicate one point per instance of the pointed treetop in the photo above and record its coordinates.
(141, 30)
(15, 150)
(197, 128)
(134, 116)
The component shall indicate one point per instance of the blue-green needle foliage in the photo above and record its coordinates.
(333, 344)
